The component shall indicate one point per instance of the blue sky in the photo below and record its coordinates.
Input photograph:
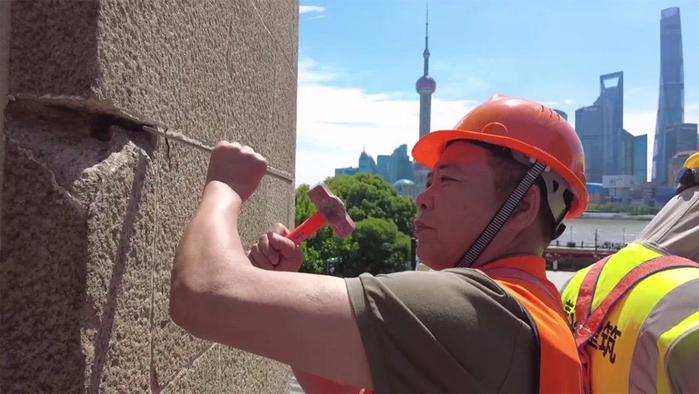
(359, 60)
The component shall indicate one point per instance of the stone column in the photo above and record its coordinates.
(89, 225)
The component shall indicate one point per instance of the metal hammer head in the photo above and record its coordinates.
(332, 209)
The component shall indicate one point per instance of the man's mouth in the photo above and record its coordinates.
(419, 227)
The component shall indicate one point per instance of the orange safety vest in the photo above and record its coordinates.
(560, 369)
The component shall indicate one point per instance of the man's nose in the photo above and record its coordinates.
(424, 200)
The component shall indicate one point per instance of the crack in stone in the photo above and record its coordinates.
(186, 368)
(28, 154)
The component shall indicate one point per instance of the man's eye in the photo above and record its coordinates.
(446, 179)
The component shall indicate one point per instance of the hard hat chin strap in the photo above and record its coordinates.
(501, 217)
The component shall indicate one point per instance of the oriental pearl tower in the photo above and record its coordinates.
(425, 86)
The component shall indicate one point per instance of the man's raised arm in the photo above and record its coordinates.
(216, 293)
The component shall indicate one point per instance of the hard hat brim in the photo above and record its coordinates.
(429, 148)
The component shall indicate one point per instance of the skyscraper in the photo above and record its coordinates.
(679, 137)
(608, 147)
(367, 165)
(671, 97)
(640, 161)
(588, 124)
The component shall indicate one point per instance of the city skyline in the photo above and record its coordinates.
(351, 101)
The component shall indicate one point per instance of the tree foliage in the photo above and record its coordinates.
(381, 241)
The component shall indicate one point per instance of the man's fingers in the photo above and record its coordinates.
(284, 245)
(270, 253)
(280, 229)
(292, 256)
(258, 259)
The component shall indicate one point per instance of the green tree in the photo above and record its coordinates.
(381, 242)
(376, 246)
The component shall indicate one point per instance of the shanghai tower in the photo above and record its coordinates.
(671, 98)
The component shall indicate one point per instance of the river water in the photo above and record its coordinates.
(612, 230)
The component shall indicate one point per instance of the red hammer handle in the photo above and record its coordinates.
(307, 228)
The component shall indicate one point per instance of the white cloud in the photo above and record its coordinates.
(308, 9)
(334, 124)
(568, 101)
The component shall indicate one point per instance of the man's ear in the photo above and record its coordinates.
(527, 212)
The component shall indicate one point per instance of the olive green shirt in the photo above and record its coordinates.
(454, 330)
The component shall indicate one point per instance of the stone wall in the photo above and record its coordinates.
(4, 63)
(89, 225)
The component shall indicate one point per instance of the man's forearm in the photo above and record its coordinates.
(208, 256)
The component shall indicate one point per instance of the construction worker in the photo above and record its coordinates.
(486, 319)
(636, 313)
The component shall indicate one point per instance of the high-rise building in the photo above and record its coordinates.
(640, 157)
(627, 146)
(588, 124)
(366, 164)
(608, 147)
(400, 166)
(676, 164)
(671, 97)
(383, 164)
(680, 137)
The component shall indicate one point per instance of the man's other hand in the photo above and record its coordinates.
(275, 252)
(237, 166)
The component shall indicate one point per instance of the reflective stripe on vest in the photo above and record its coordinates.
(559, 370)
(629, 349)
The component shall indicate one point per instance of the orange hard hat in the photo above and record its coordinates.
(522, 126)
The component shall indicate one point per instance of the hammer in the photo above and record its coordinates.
(331, 211)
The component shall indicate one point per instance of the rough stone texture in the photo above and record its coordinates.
(247, 373)
(53, 46)
(45, 276)
(89, 227)
(204, 375)
(4, 66)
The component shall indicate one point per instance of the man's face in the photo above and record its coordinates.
(458, 204)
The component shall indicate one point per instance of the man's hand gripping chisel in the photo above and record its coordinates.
(331, 211)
